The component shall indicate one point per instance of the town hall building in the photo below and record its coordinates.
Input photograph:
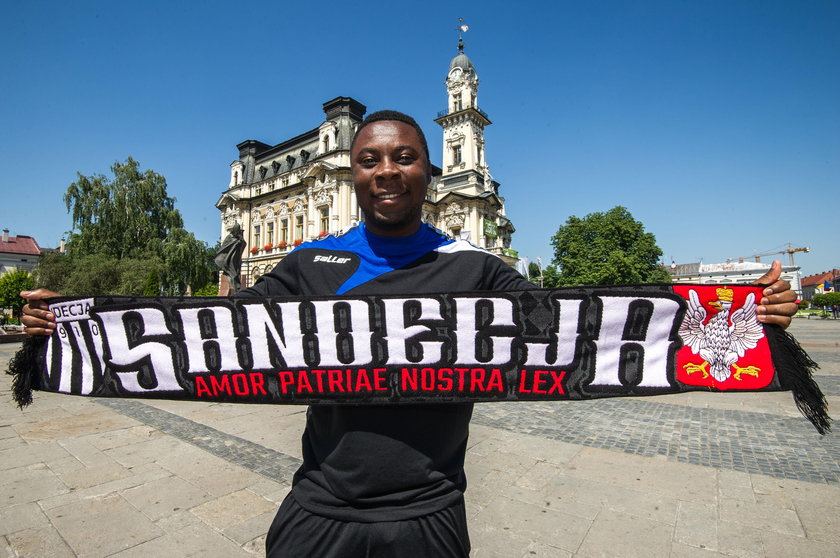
(294, 191)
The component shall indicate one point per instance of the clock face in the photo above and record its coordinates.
(456, 73)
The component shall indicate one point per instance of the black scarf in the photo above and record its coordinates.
(570, 343)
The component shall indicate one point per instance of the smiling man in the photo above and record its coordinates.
(385, 481)
(382, 481)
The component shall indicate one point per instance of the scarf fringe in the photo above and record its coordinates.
(796, 370)
(24, 370)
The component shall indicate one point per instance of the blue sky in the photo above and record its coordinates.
(717, 124)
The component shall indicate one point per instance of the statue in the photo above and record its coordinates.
(229, 258)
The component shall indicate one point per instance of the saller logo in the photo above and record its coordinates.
(331, 259)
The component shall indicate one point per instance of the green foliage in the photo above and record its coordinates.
(210, 289)
(120, 217)
(826, 299)
(152, 286)
(11, 284)
(52, 271)
(128, 239)
(607, 249)
(804, 304)
(186, 262)
(551, 277)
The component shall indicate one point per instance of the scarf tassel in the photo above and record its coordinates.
(796, 373)
(23, 368)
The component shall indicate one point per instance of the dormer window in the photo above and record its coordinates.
(326, 143)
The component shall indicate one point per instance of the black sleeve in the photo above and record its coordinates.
(502, 277)
(280, 281)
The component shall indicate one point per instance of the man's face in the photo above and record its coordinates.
(390, 175)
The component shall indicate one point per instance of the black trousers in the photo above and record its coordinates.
(297, 533)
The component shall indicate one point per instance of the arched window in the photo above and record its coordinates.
(326, 143)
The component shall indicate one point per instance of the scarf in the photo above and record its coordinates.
(544, 344)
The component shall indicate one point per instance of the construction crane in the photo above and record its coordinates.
(790, 251)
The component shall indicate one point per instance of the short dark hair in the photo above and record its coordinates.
(381, 115)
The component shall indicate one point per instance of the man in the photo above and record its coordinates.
(378, 480)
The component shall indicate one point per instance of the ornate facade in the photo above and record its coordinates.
(294, 191)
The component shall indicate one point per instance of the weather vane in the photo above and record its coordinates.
(462, 28)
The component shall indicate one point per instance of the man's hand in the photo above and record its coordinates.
(779, 302)
(37, 318)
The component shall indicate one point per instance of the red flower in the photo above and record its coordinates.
(254, 250)
(282, 245)
(298, 241)
(268, 246)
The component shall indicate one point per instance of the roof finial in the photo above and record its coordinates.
(462, 28)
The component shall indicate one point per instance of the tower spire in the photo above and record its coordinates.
(462, 28)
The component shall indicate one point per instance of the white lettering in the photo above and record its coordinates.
(397, 333)
(655, 345)
(160, 354)
(260, 326)
(328, 336)
(223, 319)
(466, 333)
(568, 314)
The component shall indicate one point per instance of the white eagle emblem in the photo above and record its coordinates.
(719, 342)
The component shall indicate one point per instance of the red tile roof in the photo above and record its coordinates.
(819, 278)
(20, 245)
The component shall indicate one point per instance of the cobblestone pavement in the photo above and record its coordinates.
(693, 474)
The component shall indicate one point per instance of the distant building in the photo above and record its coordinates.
(18, 253)
(730, 272)
(820, 283)
(301, 188)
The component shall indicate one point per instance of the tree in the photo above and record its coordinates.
(551, 277)
(152, 286)
(120, 217)
(128, 239)
(827, 299)
(52, 272)
(186, 262)
(11, 284)
(607, 249)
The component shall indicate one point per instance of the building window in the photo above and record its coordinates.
(269, 234)
(299, 227)
(284, 231)
(236, 177)
(456, 102)
(256, 242)
(456, 154)
(284, 181)
(325, 219)
(326, 143)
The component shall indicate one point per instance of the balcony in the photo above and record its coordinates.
(447, 112)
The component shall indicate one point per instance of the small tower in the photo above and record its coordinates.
(463, 125)
(465, 200)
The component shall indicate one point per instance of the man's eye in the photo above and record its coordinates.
(406, 159)
(368, 161)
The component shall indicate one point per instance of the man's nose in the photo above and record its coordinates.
(387, 168)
